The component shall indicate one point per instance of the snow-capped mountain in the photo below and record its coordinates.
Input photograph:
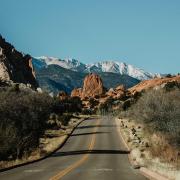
(104, 66)
(120, 68)
(71, 64)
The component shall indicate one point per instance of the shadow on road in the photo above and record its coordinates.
(93, 126)
(69, 153)
(81, 134)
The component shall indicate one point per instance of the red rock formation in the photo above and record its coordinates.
(76, 92)
(120, 88)
(154, 83)
(15, 66)
(92, 86)
(117, 93)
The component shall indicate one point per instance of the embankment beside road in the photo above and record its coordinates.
(138, 143)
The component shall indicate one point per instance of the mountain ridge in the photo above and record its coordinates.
(102, 66)
(54, 78)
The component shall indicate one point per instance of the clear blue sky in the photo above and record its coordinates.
(145, 33)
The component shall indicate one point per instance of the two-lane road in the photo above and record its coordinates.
(93, 152)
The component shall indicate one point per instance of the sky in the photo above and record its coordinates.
(144, 33)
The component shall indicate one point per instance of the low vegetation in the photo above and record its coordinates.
(159, 109)
(157, 115)
(25, 115)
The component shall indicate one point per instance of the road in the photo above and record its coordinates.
(93, 152)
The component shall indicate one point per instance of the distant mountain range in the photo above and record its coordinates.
(99, 67)
(54, 74)
(54, 78)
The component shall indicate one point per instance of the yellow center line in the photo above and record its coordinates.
(79, 162)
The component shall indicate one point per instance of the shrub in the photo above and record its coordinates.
(106, 107)
(65, 118)
(73, 104)
(23, 117)
(93, 102)
(86, 111)
(160, 110)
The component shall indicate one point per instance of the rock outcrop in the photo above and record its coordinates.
(76, 92)
(157, 83)
(15, 66)
(92, 86)
(91, 92)
(117, 93)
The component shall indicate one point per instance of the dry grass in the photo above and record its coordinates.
(33, 156)
(48, 145)
(151, 150)
(161, 148)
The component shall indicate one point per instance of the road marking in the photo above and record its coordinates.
(102, 169)
(33, 170)
(79, 162)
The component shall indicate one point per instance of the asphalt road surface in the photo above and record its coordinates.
(93, 152)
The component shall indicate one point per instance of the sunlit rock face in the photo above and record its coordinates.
(92, 86)
(15, 66)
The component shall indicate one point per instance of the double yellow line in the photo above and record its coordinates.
(79, 162)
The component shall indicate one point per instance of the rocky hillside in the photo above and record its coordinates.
(166, 82)
(15, 66)
(54, 78)
(99, 67)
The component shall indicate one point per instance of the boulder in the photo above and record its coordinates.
(120, 88)
(76, 92)
(111, 92)
(117, 93)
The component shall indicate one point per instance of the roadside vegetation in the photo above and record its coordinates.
(152, 129)
(160, 110)
(150, 124)
(26, 116)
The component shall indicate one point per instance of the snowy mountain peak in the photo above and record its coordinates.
(120, 68)
(103, 66)
(67, 63)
